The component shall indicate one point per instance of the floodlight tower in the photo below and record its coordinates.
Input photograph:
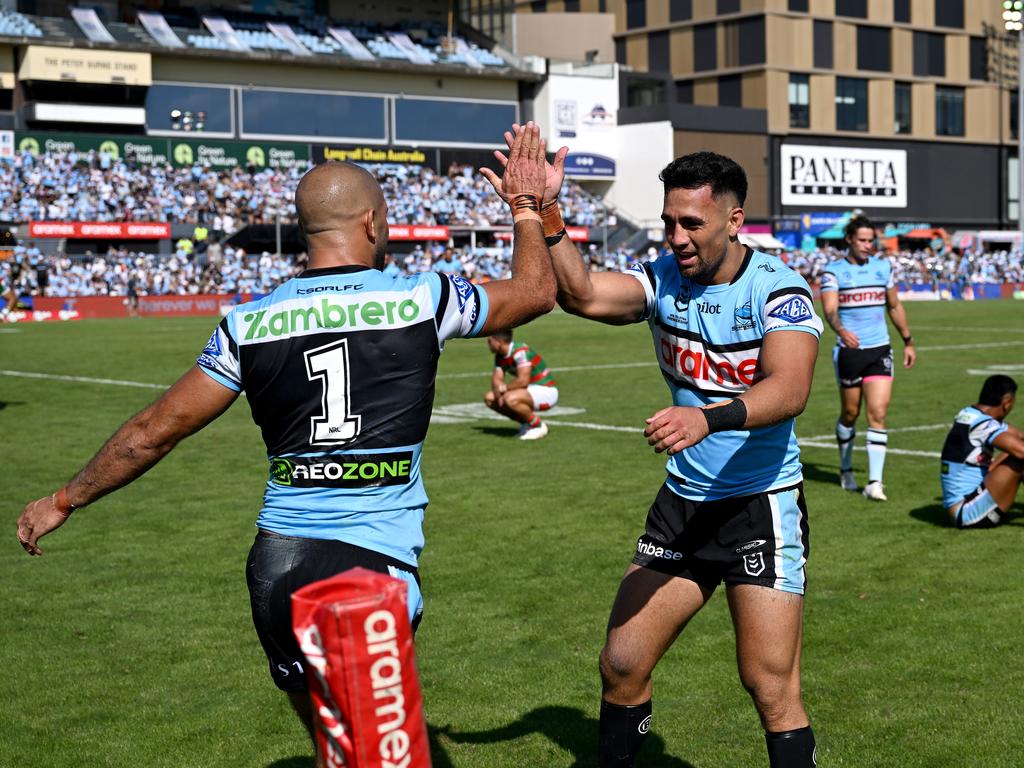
(1013, 20)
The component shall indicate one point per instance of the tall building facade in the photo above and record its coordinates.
(904, 108)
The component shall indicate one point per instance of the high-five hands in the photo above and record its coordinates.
(554, 173)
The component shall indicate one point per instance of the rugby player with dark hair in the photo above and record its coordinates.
(533, 388)
(338, 365)
(856, 293)
(736, 338)
(977, 490)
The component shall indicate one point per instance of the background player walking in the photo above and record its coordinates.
(856, 293)
(533, 388)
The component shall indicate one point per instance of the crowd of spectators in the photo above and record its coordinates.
(227, 270)
(95, 186)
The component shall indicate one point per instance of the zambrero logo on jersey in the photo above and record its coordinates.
(794, 310)
(690, 360)
(303, 317)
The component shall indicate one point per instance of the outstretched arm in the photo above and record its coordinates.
(189, 405)
(531, 290)
(608, 297)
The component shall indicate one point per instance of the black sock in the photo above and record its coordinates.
(621, 733)
(792, 749)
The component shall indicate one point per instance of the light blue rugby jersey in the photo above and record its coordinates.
(707, 339)
(967, 453)
(338, 366)
(861, 289)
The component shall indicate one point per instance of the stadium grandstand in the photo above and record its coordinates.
(201, 124)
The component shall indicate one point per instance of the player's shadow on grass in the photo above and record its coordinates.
(936, 515)
(438, 757)
(820, 473)
(571, 730)
(6, 403)
(510, 431)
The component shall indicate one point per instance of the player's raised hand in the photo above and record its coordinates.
(39, 518)
(554, 173)
(675, 428)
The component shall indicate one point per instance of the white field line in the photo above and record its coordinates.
(83, 379)
(921, 428)
(969, 328)
(898, 451)
(607, 366)
(971, 346)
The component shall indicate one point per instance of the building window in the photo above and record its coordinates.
(751, 38)
(680, 10)
(572, 6)
(705, 47)
(949, 13)
(851, 104)
(1013, 114)
(636, 13)
(901, 109)
(949, 111)
(799, 101)
(856, 8)
(684, 91)
(979, 59)
(874, 49)
(214, 104)
(901, 11)
(620, 50)
(823, 44)
(430, 120)
(539, 6)
(929, 54)
(799, 6)
(657, 52)
(324, 115)
(727, 6)
(730, 91)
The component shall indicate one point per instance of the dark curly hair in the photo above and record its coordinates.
(859, 221)
(699, 169)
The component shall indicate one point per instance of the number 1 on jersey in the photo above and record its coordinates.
(337, 424)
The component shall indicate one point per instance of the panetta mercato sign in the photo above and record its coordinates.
(843, 176)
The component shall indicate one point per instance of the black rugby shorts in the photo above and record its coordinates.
(278, 566)
(762, 539)
(854, 365)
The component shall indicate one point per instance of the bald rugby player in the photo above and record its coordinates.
(338, 366)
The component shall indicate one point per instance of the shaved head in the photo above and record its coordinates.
(332, 194)
(342, 213)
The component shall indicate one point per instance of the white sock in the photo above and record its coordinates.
(878, 439)
(844, 436)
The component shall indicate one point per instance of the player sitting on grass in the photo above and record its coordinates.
(533, 389)
(978, 491)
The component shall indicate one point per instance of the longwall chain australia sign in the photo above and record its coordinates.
(848, 177)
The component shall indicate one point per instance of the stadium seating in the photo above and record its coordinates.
(14, 24)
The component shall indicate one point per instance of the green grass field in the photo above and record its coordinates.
(130, 642)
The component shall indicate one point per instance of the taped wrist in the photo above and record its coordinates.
(525, 207)
(722, 418)
(61, 502)
(551, 215)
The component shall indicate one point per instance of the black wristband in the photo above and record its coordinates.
(908, 340)
(722, 418)
(555, 239)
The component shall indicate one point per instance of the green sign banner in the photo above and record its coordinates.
(140, 149)
(230, 154)
(179, 152)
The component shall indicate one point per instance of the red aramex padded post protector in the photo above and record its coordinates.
(354, 631)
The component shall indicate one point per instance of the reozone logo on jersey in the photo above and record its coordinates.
(734, 371)
(793, 311)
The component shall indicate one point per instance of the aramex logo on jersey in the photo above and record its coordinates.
(733, 371)
(862, 297)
